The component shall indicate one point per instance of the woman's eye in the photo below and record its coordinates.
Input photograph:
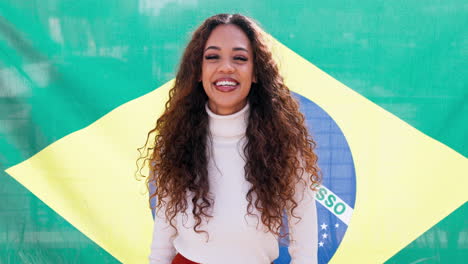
(241, 58)
(211, 57)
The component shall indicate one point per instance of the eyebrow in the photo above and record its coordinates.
(218, 48)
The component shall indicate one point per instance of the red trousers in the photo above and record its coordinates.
(179, 259)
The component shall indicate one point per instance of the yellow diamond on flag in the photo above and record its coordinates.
(406, 181)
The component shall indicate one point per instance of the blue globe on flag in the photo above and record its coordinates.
(336, 196)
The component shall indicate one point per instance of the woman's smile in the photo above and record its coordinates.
(226, 84)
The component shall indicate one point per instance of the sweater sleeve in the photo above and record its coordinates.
(162, 249)
(303, 243)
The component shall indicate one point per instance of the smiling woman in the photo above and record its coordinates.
(227, 69)
(231, 154)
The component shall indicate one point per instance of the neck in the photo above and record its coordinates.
(228, 126)
(226, 111)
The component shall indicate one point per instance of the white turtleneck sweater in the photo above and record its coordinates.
(233, 235)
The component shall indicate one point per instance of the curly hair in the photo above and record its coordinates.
(273, 167)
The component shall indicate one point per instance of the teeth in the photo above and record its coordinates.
(226, 83)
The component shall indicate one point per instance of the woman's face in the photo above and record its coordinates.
(227, 69)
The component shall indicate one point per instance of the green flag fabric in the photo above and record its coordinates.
(82, 82)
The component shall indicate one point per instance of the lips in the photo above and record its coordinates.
(226, 84)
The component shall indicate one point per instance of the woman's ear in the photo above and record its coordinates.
(254, 79)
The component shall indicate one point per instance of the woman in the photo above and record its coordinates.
(231, 154)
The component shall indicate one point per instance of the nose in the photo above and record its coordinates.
(226, 67)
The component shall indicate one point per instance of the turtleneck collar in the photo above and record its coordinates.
(228, 126)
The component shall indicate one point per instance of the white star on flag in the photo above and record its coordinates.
(323, 226)
(320, 244)
(325, 235)
(337, 225)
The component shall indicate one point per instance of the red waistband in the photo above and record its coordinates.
(179, 259)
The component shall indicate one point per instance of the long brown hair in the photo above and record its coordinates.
(279, 148)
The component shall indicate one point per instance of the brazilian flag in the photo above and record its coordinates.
(383, 85)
